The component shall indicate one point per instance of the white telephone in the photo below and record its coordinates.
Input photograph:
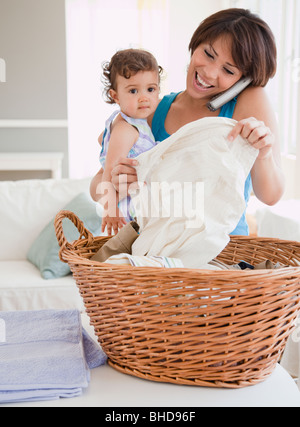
(219, 100)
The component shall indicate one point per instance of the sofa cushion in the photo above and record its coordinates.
(26, 207)
(23, 288)
(44, 251)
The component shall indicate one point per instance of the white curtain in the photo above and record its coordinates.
(283, 16)
(96, 29)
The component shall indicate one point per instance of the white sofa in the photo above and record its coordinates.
(26, 207)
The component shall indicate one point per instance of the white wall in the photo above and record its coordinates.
(162, 27)
(185, 16)
(33, 80)
(289, 168)
(33, 52)
(33, 46)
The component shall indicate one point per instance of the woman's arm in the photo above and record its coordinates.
(94, 189)
(98, 177)
(124, 176)
(257, 123)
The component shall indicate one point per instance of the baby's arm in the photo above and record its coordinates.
(123, 137)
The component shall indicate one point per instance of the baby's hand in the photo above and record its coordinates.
(114, 223)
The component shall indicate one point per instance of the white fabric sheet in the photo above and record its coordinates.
(196, 181)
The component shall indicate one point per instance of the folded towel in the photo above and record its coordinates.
(145, 261)
(46, 355)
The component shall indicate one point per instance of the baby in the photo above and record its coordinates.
(132, 79)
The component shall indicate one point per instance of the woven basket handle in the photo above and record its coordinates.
(62, 241)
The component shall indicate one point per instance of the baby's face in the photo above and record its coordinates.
(137, 96)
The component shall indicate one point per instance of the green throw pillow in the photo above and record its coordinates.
(44, 251)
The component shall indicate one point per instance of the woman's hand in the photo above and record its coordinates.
(266, 174)
(123, 176)
(257, 134)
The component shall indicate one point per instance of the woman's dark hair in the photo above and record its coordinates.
(253, 44)
(127, 63)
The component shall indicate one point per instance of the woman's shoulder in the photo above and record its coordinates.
(252, 102)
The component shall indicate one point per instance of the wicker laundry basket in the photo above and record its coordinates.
(188, 326)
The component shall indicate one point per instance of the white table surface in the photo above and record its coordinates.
(110, 388)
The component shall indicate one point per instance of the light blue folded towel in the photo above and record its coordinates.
(46, 355)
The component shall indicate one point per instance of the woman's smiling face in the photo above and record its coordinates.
(212, 69)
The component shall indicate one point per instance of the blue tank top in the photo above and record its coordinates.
(160, 134)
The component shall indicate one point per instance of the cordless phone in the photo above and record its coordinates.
(219, 100)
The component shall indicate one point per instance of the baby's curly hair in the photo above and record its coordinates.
(127, 63)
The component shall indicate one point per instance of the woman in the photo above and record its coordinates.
(226, 46)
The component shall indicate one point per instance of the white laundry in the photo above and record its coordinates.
(144, 261)
(194, 192)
